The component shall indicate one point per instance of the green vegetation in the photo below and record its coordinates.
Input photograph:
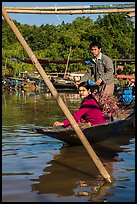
(115, 31)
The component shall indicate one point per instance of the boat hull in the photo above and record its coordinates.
(94, 134)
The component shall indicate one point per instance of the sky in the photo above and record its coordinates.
(39, 19)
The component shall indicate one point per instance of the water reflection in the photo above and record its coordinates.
(35, 107)
(66, 94)
(39, 168)
(73, 173)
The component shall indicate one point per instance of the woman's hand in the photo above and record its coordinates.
(57, 123)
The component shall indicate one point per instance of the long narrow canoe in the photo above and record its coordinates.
(94, 134)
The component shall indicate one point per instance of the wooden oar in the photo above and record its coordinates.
(62, 105)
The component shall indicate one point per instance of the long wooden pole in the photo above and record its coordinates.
(67, 62)
(112, 6)
(82, 11)
(62, 105)
(131, 15)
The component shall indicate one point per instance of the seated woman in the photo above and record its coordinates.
(89, 112)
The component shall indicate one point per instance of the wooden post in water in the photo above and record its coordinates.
(67, 63)
(62, 105)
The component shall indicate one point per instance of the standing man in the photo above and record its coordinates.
(101, 66)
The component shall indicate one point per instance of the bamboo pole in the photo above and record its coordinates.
(82, 11)
(62, 105)
(131, 15)
(70, 7)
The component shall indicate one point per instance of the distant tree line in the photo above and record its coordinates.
(116, 32)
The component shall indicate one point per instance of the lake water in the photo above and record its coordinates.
(37, 168)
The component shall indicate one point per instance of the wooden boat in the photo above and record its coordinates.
(62, 83)
(58, 83)
(94, 134)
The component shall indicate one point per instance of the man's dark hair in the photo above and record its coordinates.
(95, 43)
